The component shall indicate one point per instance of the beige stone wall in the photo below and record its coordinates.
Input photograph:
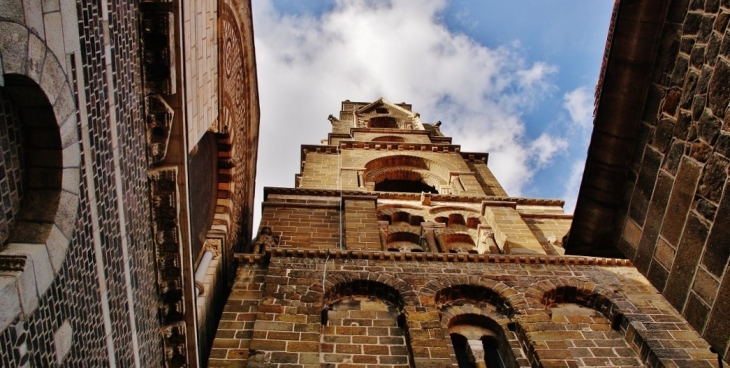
(200, 60)
(554, 312)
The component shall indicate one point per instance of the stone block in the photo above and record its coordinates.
(56, 245)
(38, 256)
(14, 43)
(63, 340)
(684, 267)
(33, 11)
(10, 306)
(680, 200)
(719, 89)
(36, 57)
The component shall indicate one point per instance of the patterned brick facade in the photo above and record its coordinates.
(90, 110)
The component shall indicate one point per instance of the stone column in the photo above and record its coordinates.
(476, 353)
(429, 232)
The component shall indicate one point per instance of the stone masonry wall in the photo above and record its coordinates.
(552, 312)
(100, 302)
(677, 201)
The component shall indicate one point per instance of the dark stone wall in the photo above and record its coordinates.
(674, 218)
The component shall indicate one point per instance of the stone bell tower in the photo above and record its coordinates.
(397, 249)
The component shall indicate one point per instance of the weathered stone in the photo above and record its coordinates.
(680, 200)
(653, 224)
(705, 208)
(712, 6)
(708, 128)
(683, 270)
(681, 66)
(696, 311)
(713, 49)
(674, 157)
(663, 134)
(717, 252)
(719, 89)
(645, 185)
(692, 23)
(700, 151)
(705, 28)
(688, 91)
(713, 178)
(697, 57)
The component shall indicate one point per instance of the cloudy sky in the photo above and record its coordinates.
(513, 78)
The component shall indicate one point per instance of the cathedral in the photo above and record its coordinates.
(129, 136)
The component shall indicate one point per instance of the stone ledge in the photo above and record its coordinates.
(416, 196)
(430, 257)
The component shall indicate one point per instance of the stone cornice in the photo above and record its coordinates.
(430, 257)
(510, 201)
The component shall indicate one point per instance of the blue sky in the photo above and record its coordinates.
(512, 78)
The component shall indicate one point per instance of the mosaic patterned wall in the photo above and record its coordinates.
(11, 167)
(109, 98)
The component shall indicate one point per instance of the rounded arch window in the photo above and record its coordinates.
(402, 173)
(404, 242)
(31, 168)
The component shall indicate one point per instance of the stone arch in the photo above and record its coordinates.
(543, 294)
(34, 81)
(396, 164)
(388, 138)
(503, 295)
(384, 286)
(404, 241)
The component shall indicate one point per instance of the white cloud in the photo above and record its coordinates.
(572, 185)
(363, 50)
(579, 103)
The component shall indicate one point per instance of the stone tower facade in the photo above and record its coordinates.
(128, 137)
(397, 249)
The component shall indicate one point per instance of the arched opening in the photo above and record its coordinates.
(461, 243)
(404, 242)
(404, 181)
(32, 168)
(383, 122)
(401, 173)
(478, 341)
(365, 318)
(456, 219)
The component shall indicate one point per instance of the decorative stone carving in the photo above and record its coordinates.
(158, 57)
(213, 245)
(168, 254)
(158, 116)
(12, 263)
(265, 239)
(333, 119)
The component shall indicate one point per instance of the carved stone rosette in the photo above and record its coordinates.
(168, 256)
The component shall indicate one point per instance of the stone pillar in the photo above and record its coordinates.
(487, 244)
(429, 232)
(476, 353)
(511, 233)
